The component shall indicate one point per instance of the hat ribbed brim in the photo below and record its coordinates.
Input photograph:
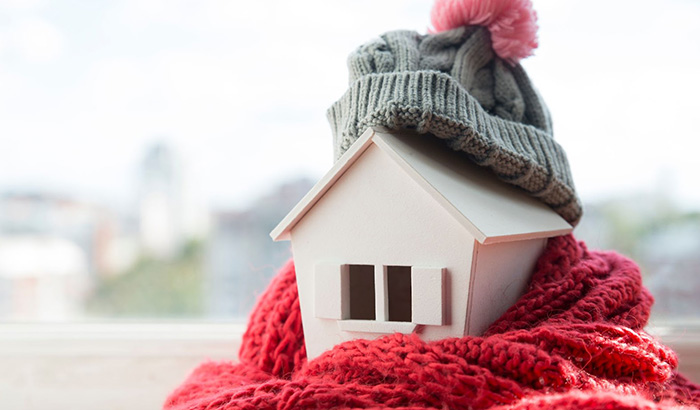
(433, 102)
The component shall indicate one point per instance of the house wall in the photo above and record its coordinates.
(501, 275)
(376, 214)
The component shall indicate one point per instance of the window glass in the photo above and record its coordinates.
(149, 147)
(398, 282)
(362, 292)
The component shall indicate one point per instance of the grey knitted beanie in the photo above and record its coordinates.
(452, 85)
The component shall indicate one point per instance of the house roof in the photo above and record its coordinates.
(491, 210)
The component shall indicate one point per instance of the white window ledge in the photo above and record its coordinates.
(115, 339)
(374, 326)
(106, 366)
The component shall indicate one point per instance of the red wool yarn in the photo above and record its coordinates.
(575, 340)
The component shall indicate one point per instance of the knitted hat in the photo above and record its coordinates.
(463, 84)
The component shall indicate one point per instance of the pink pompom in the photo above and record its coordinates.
(512, 23)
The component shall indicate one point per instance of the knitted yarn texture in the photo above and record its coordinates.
(574, 340)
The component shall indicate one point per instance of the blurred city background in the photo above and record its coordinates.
(149, 147)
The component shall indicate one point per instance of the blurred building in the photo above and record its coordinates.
(160, 202)
(241, 256)
(168, 213)
(51, 249)
(41, 213)
(42, 277)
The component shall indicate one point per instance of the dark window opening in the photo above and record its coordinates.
(362, 292)
(398, 282)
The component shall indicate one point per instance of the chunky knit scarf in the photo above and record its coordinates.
(575, 340)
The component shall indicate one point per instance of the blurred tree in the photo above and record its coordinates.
(154, 288)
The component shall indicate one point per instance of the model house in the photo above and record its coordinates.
(405, 235)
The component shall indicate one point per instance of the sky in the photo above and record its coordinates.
(240, 90)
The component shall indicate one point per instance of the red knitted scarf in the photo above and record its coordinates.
(575, 340)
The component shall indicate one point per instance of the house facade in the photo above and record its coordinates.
(403, 235)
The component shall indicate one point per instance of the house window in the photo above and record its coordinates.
(379, 298)
(398, 283)
(393, 283)
(362, 292)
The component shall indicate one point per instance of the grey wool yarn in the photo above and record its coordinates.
(453, 86)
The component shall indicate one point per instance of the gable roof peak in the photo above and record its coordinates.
(491, 210)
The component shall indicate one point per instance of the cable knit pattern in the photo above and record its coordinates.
(575, 340)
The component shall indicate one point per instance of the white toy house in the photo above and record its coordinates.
(406, 235)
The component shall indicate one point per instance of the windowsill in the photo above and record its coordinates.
(107, 366)
(373, 326)
(110, 339)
